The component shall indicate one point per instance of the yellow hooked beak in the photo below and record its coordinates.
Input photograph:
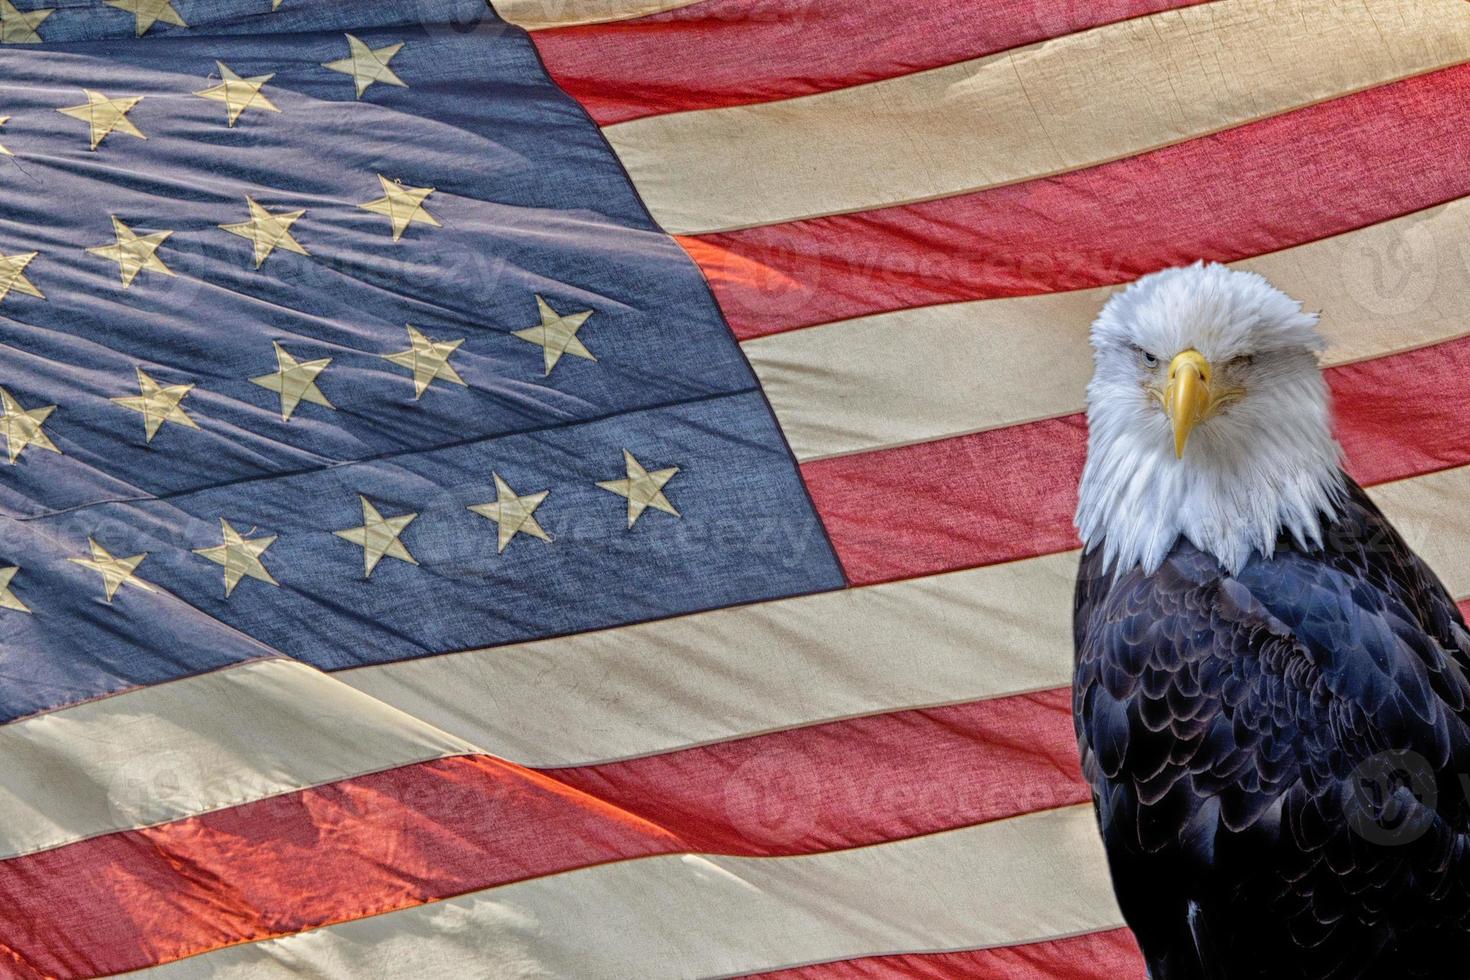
(1188, 400)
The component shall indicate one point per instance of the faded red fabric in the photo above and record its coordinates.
(1354, 161)
(292, 862)
(858, 781)
(735, 52)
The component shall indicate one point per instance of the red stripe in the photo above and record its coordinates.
(1265, 186)
(858, 781)
(277, 866)
(428, 831)
(1010, 493)
(953, 503)
(1465, 608)
(1406, 414)
(1111, 955)
(733, 52)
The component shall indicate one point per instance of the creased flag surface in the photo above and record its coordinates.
(583, 488)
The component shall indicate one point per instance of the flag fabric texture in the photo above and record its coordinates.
(583, 488)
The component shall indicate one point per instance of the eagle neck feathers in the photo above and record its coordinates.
(1236, 491)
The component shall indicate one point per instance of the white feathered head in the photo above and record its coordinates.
(1208, 417)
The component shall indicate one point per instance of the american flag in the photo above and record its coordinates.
(584, 488)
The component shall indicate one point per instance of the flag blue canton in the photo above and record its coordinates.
(526, 212)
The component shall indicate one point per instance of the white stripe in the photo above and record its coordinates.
(655, 687)
(939, 371)
(190, 746)
(1021, 880)
(658, 686)
(1059, 105)
(538, 15)
(1429, 513)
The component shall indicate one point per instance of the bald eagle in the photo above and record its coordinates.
(1270, 690)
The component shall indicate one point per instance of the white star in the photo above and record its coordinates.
(428, 360)
(513, 513)
(238, 94)
(642, 488)
(294, 381)
(7, 597)
(556, 334)
(367, 65)
(115, 572)
(147, 12)
(239, 555)
(378, 537)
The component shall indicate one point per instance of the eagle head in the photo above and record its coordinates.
(1208, 418)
